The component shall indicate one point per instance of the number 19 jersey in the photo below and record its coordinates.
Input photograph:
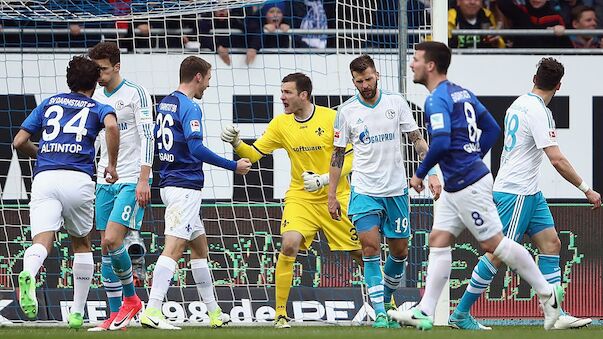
(69, 123)
(529, 128)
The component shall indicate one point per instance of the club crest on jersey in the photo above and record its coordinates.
(390, 114)
(195, 126)
(119, 105)
(319, 131)
(552, 134)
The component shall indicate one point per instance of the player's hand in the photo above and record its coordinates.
(313, 182)
(434, 186)
(594, 198)
(143, 193)
(243, 166)
(111, 174)
(230, 134)
(417, 184)
(334, 208)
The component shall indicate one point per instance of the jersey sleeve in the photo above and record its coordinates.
(438, 115)
(407, 120)
(341, 132)
(33, 122)
(191, 121)
(103, 111)
(143, 115)
(270, 140)
(542, 127)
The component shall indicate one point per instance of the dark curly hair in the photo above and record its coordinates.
(549, 74)
(105, 50)
(82, 74)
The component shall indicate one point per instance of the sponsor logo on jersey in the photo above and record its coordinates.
(552, 134)
(195, 126)
(390, 114)
(366, 138)
(336, 134)
(307, 148)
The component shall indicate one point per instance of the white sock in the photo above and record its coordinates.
(438, 272)
(83, 270)
(162, 276)
(34, 258)
(204, 282)
(520, 260)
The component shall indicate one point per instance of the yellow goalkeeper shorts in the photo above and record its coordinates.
(308, 219)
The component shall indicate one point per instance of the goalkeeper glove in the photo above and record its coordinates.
(313, 182)
(230, 134)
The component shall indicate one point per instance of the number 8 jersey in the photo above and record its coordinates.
(453, 110)
(529, 128)
(69, 123)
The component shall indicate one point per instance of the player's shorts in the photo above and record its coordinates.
(182, 212)
(117, 203)
(393, 212)
(471, 208)
(521, 214)
(62, 198)
(308, 219)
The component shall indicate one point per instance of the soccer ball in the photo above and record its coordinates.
(225, 318)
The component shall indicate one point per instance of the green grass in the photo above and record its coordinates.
(516, 332)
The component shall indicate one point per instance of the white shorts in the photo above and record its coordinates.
(182, 212)
(472, 208)
(62, 198)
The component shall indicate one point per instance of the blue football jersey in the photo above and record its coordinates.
(69, 123)
(178, 120)
(453, 110)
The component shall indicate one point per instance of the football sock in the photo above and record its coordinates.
(374, 282)
(83, 270)
(284, 276)
(33, 258)
(204, 283)
(393, 272)
(482, 276)
(438, 272)
(111, 283)
(162, 276)
(122, 266)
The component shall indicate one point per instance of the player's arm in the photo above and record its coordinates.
(337, 161)
(313, 181)
(567, 171)
(143, 114)
(420, 145)
(264, 145)
(31, 125)
(112, 140)
(22, 144)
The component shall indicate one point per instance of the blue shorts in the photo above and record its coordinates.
(117, 203)
(523, 214)
(393, 212)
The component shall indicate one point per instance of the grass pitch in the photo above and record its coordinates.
(329, 332)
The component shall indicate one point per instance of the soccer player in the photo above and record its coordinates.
(529, 134)
(305, 131)
(373, 122)
(462, 132)
(180, 143)
(63, 190)
(120, 207)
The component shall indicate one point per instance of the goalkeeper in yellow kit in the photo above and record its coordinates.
(305, 131)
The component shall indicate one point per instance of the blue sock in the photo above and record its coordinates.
(393, 272)
(482, 276)
(122, 266)
(549, 267)
(111, 283)
(374, 282)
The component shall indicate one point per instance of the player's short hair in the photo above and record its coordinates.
(82, 74)
(579, 10)
(549, 74)
(191, 66)
(302, 82)
(362, 63)
(105, 50)
(437, 52)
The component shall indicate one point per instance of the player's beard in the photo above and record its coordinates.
(419, 80)
(371, 93)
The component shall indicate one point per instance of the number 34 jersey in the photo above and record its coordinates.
(69, 123)
(529, 128)
(455, 111)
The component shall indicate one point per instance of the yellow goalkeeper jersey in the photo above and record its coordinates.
(309, 145)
